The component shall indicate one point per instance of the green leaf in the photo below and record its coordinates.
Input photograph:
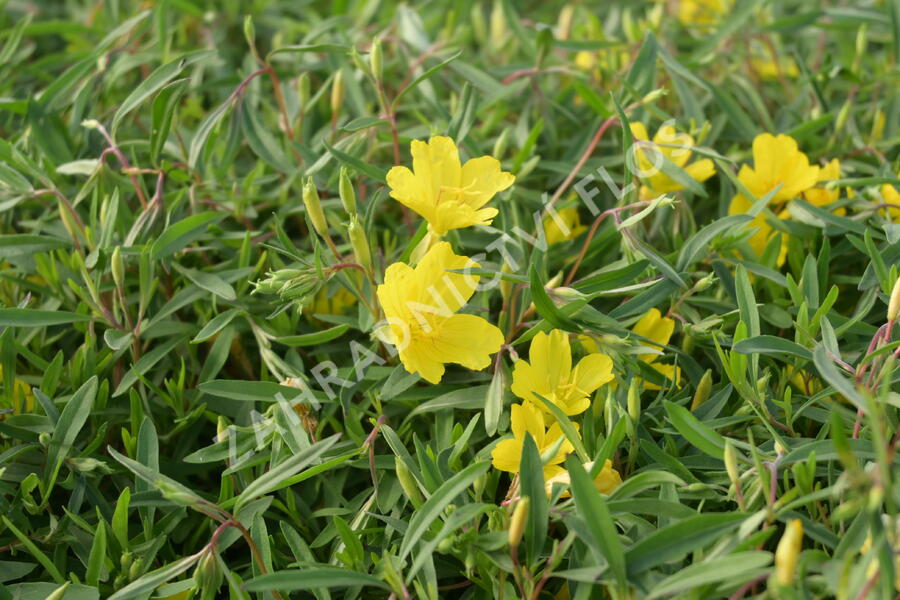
(735, 569)
(145, 363)
(531, 476)
(162, 113)
(313, 339)
(593, 512)
(433, 507)
(358, 164)
(72, 419)
(545, 306)
(310, 578)
(27, 317)
(694, 431)
(178, 235)
(771, 345)
(675, 541)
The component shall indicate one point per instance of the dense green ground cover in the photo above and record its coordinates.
(243, 350)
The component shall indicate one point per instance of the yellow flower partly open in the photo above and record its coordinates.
(658, 330)
(764, 232)
(420, 306)
(527, 418)
(606, 481)
(821, 196)
(565, 225)
(442, 191)
(777, 160)
(655, 181)
(550, 374)
(701, 12)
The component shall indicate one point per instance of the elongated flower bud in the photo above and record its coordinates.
(634, 401)
(314, 207)
(703, 390)
(118, 268)
(360, 243)
(337, 91)
(376, 59)
(303, 91)
(517, 523)
(408, 482)
(731, 465)
(347, 193)
(787, 552)
(894, 304)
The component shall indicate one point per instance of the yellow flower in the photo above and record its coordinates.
(820, 196)
(23, 397)
(788, 550)
(420, 306)
(446, 194)
(336, 301)
(551, 375)
(777, 160)
(527, 418)
(570, 229)
(655, 181)
(658, 330)
(764, 232)
(606, 481)
(701, 12)
(890, 195)
(769, 68)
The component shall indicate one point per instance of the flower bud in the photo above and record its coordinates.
(653, 96)
(703, 390)
(347, 193)
(117, 267)
(787, 552)
(634, 400)
(337, 91)
(376, 59)
(408, 482)
(894, 304)
(360, 243)
(221, 429)
(303, 91)
(517, 523)
(843, 116)
(731, 465)
(500, 144)
(314, 207)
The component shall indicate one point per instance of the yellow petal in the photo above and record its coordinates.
(591, 372)
(657, 329)
(482, 178)
(507, 454)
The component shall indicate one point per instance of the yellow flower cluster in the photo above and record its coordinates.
(421, 303)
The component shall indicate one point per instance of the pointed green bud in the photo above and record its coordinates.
(314, 207)
(360, 244)
(347, 193)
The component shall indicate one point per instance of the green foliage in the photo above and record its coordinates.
(196, 396)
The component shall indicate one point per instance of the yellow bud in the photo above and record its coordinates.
(703, 390)
(877, 127)
(653, 96)
(314, 207)
(787, 552)
(500, 144)
(337, 91)
(517, 523)
(731, 465)
(505, 284)
(843, 116)
(894, 304)
(347, 193)
(221, 429)
(360, 243)
(779, 449)
(564, 22)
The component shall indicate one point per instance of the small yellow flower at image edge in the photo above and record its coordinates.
(444, 192)
(421, 307)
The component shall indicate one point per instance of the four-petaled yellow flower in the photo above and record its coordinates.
(444, 192)
(420, 306)
(658, 330)
(674, 146)
(527, 418)
(778, 161)
(562, 225)
(550, 374)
